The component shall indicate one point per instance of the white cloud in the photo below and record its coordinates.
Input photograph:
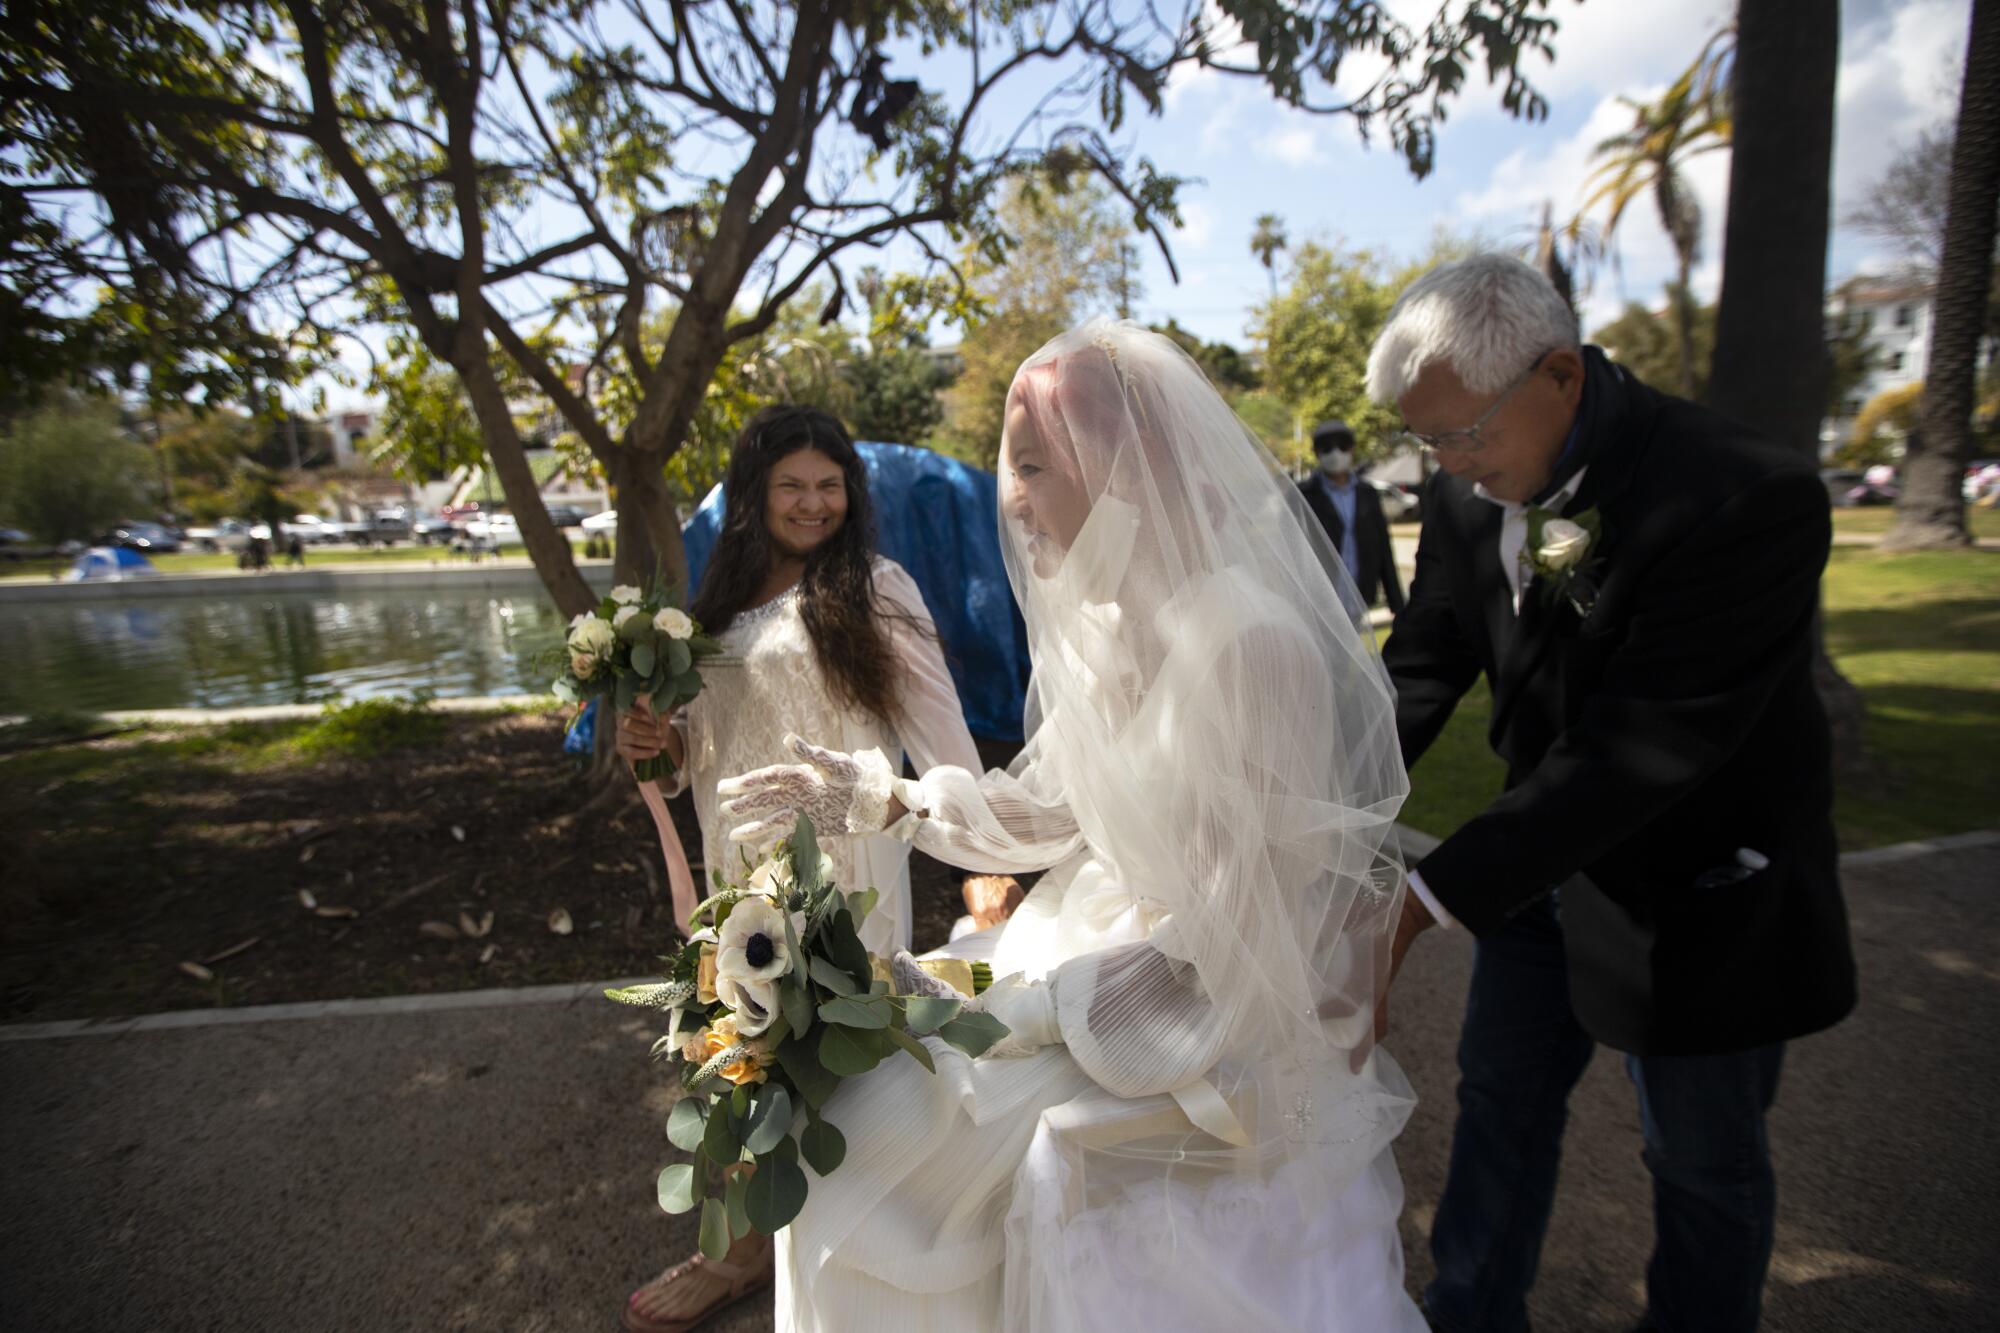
(1197, 228)
(1296, 146)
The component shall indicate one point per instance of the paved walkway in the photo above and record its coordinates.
(485, 1163)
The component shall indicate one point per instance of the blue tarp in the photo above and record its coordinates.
(939, 519)
(110, 562)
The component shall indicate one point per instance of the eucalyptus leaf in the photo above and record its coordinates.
(924, 1014)
(776, 1194)
(857, 1011)
(643, 658)
(798, 1004)
(733, 1194)
(845, 1051)
(801, 1063)
(769, 1120)
(677, 1188)
(913, 1046)
(805, 857)
(862, 902)
(679, 658)
(687, 1123)
(739, 1102)
(823, 1147)
(828, 975)
(973, 1033)
(714, 1238)
(719, 1141)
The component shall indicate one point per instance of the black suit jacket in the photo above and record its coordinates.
(1650, 739)
(1377, 567)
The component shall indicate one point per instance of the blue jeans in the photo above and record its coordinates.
(1520, 1053)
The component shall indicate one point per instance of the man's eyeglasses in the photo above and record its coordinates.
(1469, 440)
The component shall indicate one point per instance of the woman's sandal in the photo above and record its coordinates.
(742, 1279)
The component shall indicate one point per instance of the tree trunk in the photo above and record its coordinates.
(1930, 512)
(1684, 327)
(547, 547)
(1770, 364)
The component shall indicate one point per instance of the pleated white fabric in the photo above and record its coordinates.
(1212, 773)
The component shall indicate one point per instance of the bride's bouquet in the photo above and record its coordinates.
(635, 645)
(771, 1004)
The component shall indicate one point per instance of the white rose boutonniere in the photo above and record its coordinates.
(1560, 553)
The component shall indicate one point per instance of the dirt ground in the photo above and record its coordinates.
(146, 872)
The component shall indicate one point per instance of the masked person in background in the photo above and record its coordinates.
(1351, 512)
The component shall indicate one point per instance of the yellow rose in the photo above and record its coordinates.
(748, 1068)
(704, 977)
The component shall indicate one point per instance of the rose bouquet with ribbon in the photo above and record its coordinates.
(770, 1004)
(635, 645)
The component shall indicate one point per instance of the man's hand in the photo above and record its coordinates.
(1415, 920)
(991, 899)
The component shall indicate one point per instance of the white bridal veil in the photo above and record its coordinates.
(1208, 705)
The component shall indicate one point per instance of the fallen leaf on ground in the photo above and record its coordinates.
(345, 913)
(306, 899)
(197, 971)
(305, 856)
(486, 954)
(635, 916)
(458, 832)
(232, 950)
(438, 930)
(559, 922)
(476, 930)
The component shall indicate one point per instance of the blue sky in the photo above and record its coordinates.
(1899, 73)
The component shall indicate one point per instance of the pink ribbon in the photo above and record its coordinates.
(680, 877)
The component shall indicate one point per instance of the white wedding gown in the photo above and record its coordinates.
(768, 684)
(1068, 1189)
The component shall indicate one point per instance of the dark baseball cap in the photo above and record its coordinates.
(1330, 435)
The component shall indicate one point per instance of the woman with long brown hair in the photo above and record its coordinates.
(825, 639)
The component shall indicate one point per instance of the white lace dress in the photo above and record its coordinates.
(768, 683)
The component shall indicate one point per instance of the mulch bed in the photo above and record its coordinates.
(139, 887)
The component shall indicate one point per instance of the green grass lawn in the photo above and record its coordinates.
(1919, 634)
(1875, 521)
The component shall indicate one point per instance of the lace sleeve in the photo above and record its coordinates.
(932, 726)
(996, 824)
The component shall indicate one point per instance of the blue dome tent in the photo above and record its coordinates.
(938, 518)
(110, 563)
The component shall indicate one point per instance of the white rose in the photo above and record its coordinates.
(1563, 544)
(625, 594)
(594, 635)
(621, 615)
(751, 947)
(673, 623)
(579, 618)
(583, 665)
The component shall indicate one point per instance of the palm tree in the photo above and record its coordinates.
(1930, 512)
(1265, 242)
(1691, 118)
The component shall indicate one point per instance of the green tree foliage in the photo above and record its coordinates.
(1316, 334)
(1226, 367)
(429, 429)
(1882, 428)
(1266, 242)
(896, 395)
(1056, 260)
(67, 470)
(1647, 343)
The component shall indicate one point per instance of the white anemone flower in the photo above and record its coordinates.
(752, 945)
(754, 1002)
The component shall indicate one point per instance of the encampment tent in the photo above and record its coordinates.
(110, 563)
(938, 518)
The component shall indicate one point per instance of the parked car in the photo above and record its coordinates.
(494, 530)
(1400, 503)
(566, 516)
(18, 545)
(312, 530)
(606, 522)
(138, 535)
(229, 534)
(432, 530)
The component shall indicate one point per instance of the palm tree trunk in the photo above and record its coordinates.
(1930, 512)
(1769, 368)
(1684, 327)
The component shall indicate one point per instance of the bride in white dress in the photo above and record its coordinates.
(1190, 1126)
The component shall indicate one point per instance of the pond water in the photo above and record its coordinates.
(276, 648)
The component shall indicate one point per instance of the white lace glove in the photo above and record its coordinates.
(840, 793)
(1028, 1008)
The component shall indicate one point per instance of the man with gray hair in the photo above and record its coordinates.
(1636, 577)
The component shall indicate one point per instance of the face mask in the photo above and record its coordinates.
(1336, 461)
